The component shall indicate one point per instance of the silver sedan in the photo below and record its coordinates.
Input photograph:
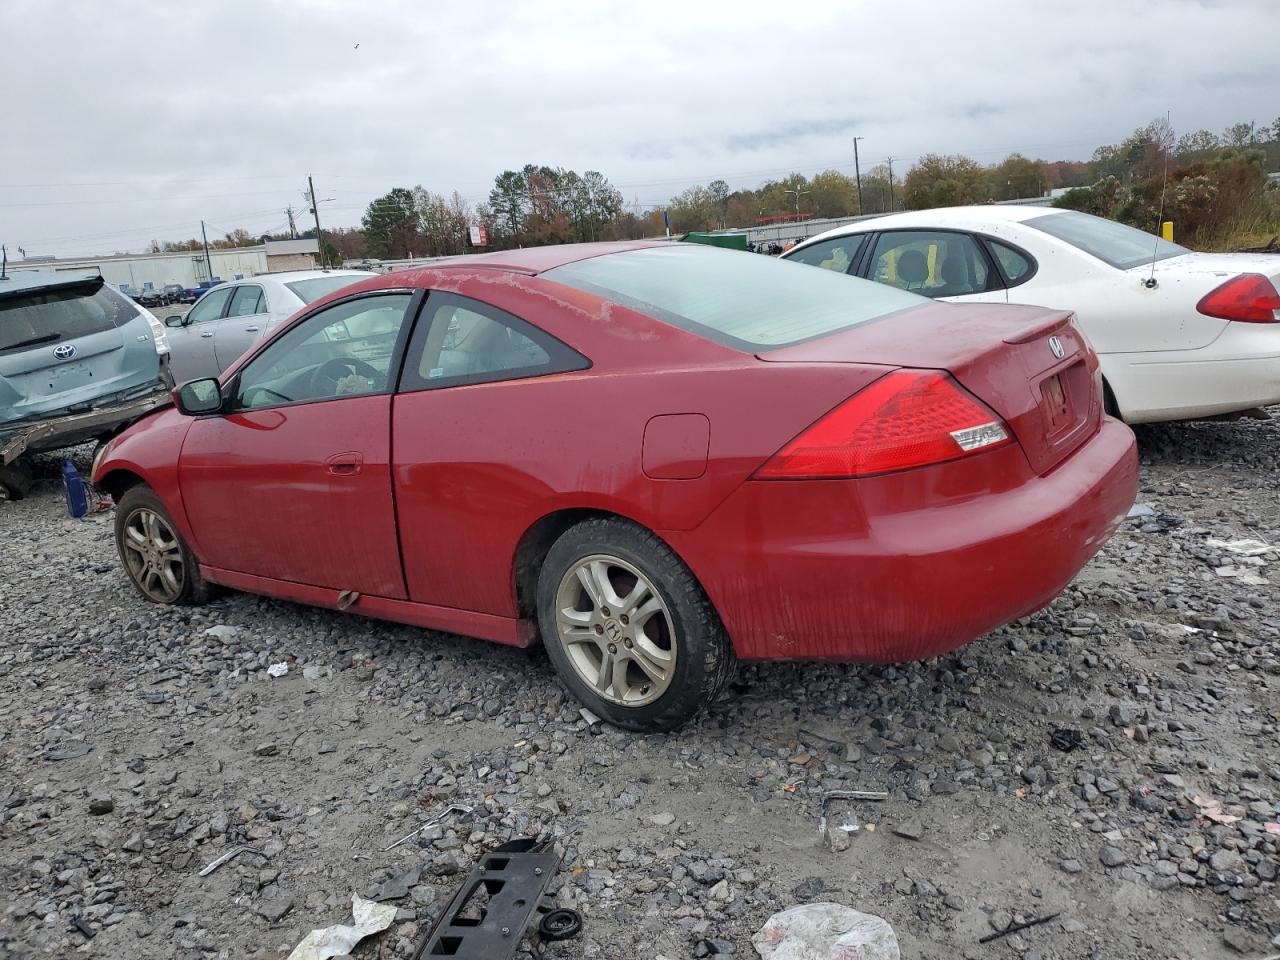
(228, 319)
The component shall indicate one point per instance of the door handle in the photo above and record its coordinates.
(206, 336)
(344, 464)
(252, 329)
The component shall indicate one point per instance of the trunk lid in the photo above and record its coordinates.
(1006, 356)
(1221, 265)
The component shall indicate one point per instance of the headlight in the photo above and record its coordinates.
(97, 459)
(158, 336)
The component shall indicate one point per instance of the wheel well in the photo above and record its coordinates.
(117, 482)
(533, 547)
(1109, 405)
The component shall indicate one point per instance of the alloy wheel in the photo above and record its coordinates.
(616, 629)
(153, 555)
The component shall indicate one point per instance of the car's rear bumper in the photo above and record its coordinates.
(68, 429)
(908, 566)
(1240, 370)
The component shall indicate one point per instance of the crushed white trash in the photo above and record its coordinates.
(1241, 573)
(370, 918)
(1243, 548)
(278, 669)
(1141, 510)
(826, 931)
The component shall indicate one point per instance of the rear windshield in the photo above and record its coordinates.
(47, 316)
(743, 300)
(1114, 243)
(309, 290)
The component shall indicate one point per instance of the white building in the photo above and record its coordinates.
(188, 268)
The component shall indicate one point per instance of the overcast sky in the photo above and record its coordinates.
(132, 120)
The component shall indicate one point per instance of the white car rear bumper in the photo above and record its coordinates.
(1240, 370)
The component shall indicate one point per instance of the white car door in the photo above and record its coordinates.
(191, 338)
(940, 264)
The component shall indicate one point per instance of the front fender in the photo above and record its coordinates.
(149, 450)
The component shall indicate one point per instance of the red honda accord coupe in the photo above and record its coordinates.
(659, 458)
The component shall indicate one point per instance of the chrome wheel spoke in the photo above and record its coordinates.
(648, 610)
(604, 676)
(652, 659)
(619, 679)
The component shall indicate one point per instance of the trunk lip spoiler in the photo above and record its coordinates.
(1041, 329)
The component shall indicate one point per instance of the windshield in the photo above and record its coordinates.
(1114, 243)
(47, 316)
(310, 290)
(743, 300)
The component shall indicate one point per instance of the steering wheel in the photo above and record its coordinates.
(324, 378)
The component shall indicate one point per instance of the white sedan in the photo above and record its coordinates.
(228, 319)
(1180, 335)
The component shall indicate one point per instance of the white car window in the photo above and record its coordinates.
(932, 263)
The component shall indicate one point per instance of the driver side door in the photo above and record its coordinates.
(292, 482)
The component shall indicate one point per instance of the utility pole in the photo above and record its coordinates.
(293, 227)
(208, 263)
(857, 173)
(315, 210)
(892, 201)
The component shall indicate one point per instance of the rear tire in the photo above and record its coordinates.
(17, 479)
(629, 628)
(156, 559)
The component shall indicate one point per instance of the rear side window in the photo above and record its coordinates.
(246, 301)
(461, 341)
(743, 300)
(1015, 265)
(48, 316)
(836, 254)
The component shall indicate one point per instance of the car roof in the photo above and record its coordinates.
(970, 217)
(20, 280)
(535, 260)
(292, 276)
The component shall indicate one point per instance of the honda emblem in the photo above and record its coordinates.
(1056, 346)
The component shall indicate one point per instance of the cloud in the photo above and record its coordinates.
(136, 123)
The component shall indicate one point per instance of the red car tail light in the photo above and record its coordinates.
(1249, 298)
(908, 418)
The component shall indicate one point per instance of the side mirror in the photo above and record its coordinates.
(174, 321)
(198, 397)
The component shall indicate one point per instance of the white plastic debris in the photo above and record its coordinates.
(278, 669)
(1244, 548)
(1141, 510)
(1241, 573)
(826, 931)
(334, 941)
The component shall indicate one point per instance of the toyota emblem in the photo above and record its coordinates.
(64, 351)
(1056, 346)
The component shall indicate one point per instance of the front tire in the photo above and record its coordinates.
(157, 560)
(17, 479)
(628, 627)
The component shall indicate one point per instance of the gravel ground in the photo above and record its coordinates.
(138, 743)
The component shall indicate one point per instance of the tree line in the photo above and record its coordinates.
(1217, 188)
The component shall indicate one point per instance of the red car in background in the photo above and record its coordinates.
(659, 458)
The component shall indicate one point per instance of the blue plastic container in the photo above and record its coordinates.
(76, 490)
